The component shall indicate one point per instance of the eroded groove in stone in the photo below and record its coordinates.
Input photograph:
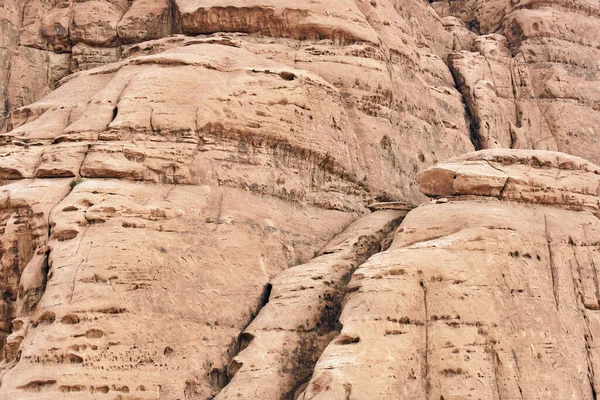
(202, 167)
(281, 345)
(376, 56)
(25, 208)
(153, 247)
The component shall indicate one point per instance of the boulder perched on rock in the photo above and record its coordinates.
(537, 177)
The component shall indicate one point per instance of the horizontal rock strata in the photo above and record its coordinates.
(385, 71)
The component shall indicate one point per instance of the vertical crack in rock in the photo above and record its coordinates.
(472, 124)
(515, 92)
(463, 301)
(551, 262)
(300, 313)
(80, 266)
(175, 17)
(426, 372)
(495, 370)
(518, 374)
(506, 181)
(595, 276)
(279, 348)
(219, 377)
(72, 185)
(583, 306)
(539, 52)
(80, 169)
(513, 130)
(30, 272)
(6, 106)
(152, 128)
(18, 247)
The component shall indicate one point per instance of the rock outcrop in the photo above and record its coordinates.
(155, 281)
(530, 79)
(201, 199)
(281, 345)
(187, 173)
(486, 294)
(385, 71)
(10, 19)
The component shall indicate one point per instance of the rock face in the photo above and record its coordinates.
(530, 79)
(10, 18)
(487, 294)
(385, 73)
(201, 199)
(124, 257)
(279, 348)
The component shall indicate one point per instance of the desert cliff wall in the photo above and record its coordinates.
(213, 199)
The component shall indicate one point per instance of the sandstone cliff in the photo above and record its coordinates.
(530, 79)
(212, 199)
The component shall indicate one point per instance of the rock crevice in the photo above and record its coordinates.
(281, 345)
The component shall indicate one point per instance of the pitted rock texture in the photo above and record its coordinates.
(150, 285)
(191, 171)
(387, 72)
(151, 119)
(533, 63)
(26, 207)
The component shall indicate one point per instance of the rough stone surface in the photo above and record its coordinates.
(388, 74)
(530, 80)
(281, 345)
(186, 261)
(476, 297)
(198, 199)
(10, 19)
(527, 176)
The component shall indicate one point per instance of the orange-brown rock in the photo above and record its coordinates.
(10, 17)
(279, 348)
(201, 199)
(387, 73)
(151, 286)
(477, 296)
(531, 79)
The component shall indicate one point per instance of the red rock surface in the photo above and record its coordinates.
(202, 199)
